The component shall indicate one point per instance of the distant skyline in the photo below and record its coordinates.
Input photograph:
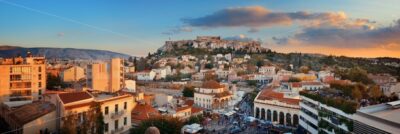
(356, 28)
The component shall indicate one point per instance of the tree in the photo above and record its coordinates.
(356, 94)
(166, 125)
(209, 66)
(294, 79)
(304, 69)
(54, 82)
(188, 91)
(251, 82)
(375, 92)
(195, 119)
(93, 123)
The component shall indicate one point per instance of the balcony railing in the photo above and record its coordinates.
(117, 114)
(117, 131)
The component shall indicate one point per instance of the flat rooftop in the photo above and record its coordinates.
(382, 116)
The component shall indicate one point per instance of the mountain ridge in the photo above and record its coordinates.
(60, 53)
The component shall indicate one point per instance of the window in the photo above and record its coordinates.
(106, 110)
(40, 92)
(116, 125)
(116, 107)
(106, 127)
(125, 121)
(125, 105)
(40, 69)
(40, 76)
(40, 84)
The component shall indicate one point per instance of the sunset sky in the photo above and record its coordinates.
(358, 28)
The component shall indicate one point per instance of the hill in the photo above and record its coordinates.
(61, 53)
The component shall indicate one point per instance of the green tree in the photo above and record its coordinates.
(294, 79)
(54, 82)
(93, 123)
(195, 119)
(188, 91)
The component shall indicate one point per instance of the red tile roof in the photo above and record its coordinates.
(296, 84)
(269, 94)
(79, 105)
(143, 112)
(189, 102)
(74, 96)
(212, 84)
(30, 112)
(196, 110)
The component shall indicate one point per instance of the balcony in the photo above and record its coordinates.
(309, 108)
(117, 131)
(117, 114)
(309, 118)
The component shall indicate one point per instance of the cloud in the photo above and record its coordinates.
(351, 36)
(253, 30)
(258, 16)
(240, 37)
(60, 34)
(177, 30)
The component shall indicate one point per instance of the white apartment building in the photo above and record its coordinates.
(22, 80)
(267, 70)
(316, 117)
(146, 75)
(161, 73)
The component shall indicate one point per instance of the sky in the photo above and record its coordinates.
(356, 28)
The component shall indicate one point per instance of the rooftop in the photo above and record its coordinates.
(74, 96)
(144, 111)
(211, 85)
(30, 112)
(383, 116)
(270, 94)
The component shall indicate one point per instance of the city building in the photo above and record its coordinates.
(33, 118)
(276, 105)
(378, 119)
(318, 117)
(145, 75)
(106, 77)
(141, 112)
(73, 74)
(22, 80)
(212, 95)
(267, 70)
(116, 109)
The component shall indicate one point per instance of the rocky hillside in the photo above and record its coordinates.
(60, 53)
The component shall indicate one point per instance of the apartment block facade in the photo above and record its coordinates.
(22, 80)
(106, 77)
(316, 117)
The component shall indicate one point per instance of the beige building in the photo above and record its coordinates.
(106, 77)
(212, 95)
(22, 80)
(34, 118)
(116, 109)
(73, 74)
